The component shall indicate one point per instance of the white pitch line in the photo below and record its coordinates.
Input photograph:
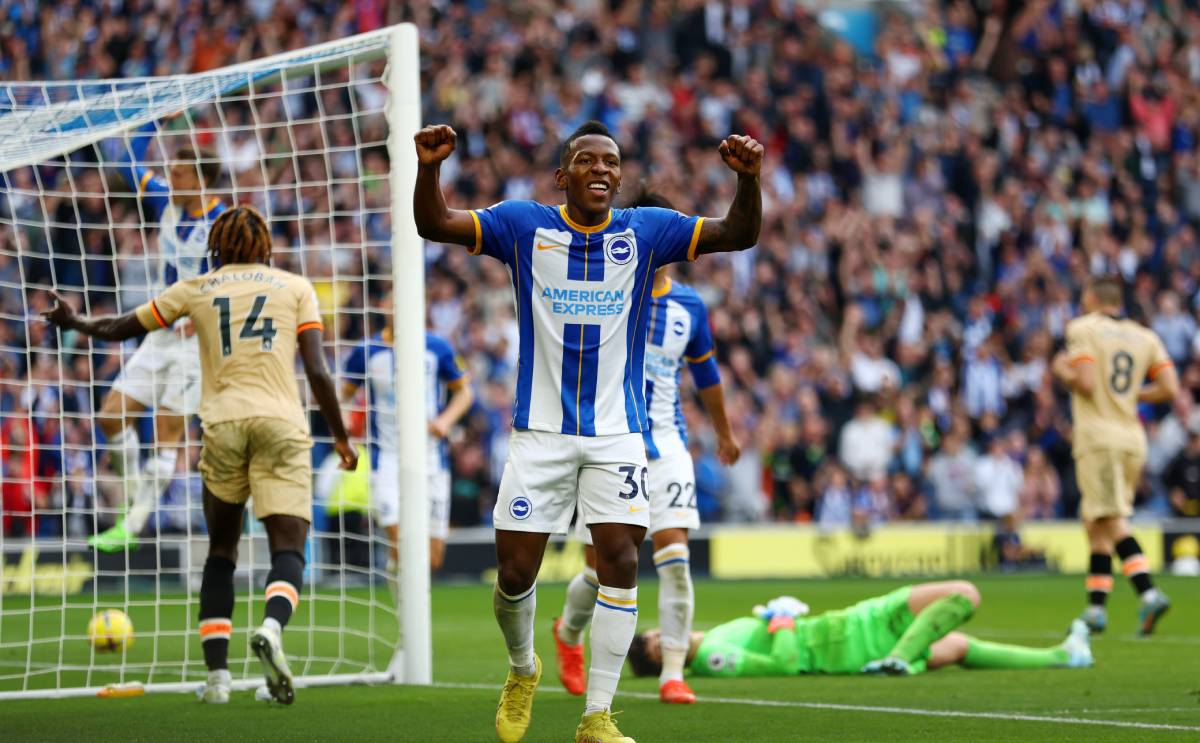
(1154, 639)
(1007, 716)
(1120, 710)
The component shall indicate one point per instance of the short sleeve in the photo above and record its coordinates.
(672, 235)
(166, 308)
(308, 312)
(1078, 347)
(451, 368)
(700, 353)
(1159, 358)
(497, 227)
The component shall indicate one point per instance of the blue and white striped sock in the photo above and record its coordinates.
(613, 623)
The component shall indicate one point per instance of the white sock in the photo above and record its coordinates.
(515, 615)
(579, 606)
(156, 476)
(613, 624)
(125, 455)
(676, 605)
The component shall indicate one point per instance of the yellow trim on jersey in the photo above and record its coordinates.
(146, 176)
(478, 233)
(698, 359)
(562, 210)
(213, 201)
(1154, 370)
(459, 383)
(695, 239)
(666, 290)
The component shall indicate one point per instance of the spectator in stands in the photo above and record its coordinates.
(1182, 477)
(1175, 327)
(835, 503)
(1040, 488)
(867, 443)
(951, 476)
(998, 479)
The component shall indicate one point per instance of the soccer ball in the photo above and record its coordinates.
(110, 631)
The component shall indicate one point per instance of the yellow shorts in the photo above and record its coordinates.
(265, 458)
(1108, 480)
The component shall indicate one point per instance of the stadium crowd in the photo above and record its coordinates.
(933, 202)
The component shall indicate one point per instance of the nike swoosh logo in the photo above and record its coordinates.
(544, 246)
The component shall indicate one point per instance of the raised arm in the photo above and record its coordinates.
(740, 226)
(327, 400)
(130, 165)
(435, 220)
(108, 328)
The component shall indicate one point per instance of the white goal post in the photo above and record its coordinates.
(320, 140)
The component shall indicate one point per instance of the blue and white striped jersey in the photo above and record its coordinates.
(583, 303)
(678, 332)
(182, 234)
(374, 363)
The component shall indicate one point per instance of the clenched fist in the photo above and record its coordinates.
(61, 314)
(434, 144)
(743, 155)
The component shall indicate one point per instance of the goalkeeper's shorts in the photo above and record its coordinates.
(267, 459)
(385, 494)
(164, 373)
(846, 640)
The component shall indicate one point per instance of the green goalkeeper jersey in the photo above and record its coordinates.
(841, 641)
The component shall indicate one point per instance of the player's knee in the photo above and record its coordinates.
(111, 423)
(967, 590)
(224, 550)
(621, 563)
(168, 429)
(515, 578)
(437, 554)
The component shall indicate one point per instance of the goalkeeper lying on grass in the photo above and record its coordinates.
(903, 632)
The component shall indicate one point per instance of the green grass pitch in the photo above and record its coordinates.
(1139, 690)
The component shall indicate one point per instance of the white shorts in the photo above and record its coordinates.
(164, 373)
(385, 496)
(548, 474)
(672, 483)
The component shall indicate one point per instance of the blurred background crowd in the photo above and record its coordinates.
(941, 178)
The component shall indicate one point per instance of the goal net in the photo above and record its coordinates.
(91, 204)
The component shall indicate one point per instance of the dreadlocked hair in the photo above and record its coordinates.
(239, 235)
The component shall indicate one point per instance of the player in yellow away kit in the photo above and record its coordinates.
(1110, 365)
(249, 318)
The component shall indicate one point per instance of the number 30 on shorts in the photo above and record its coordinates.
(629, 471)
